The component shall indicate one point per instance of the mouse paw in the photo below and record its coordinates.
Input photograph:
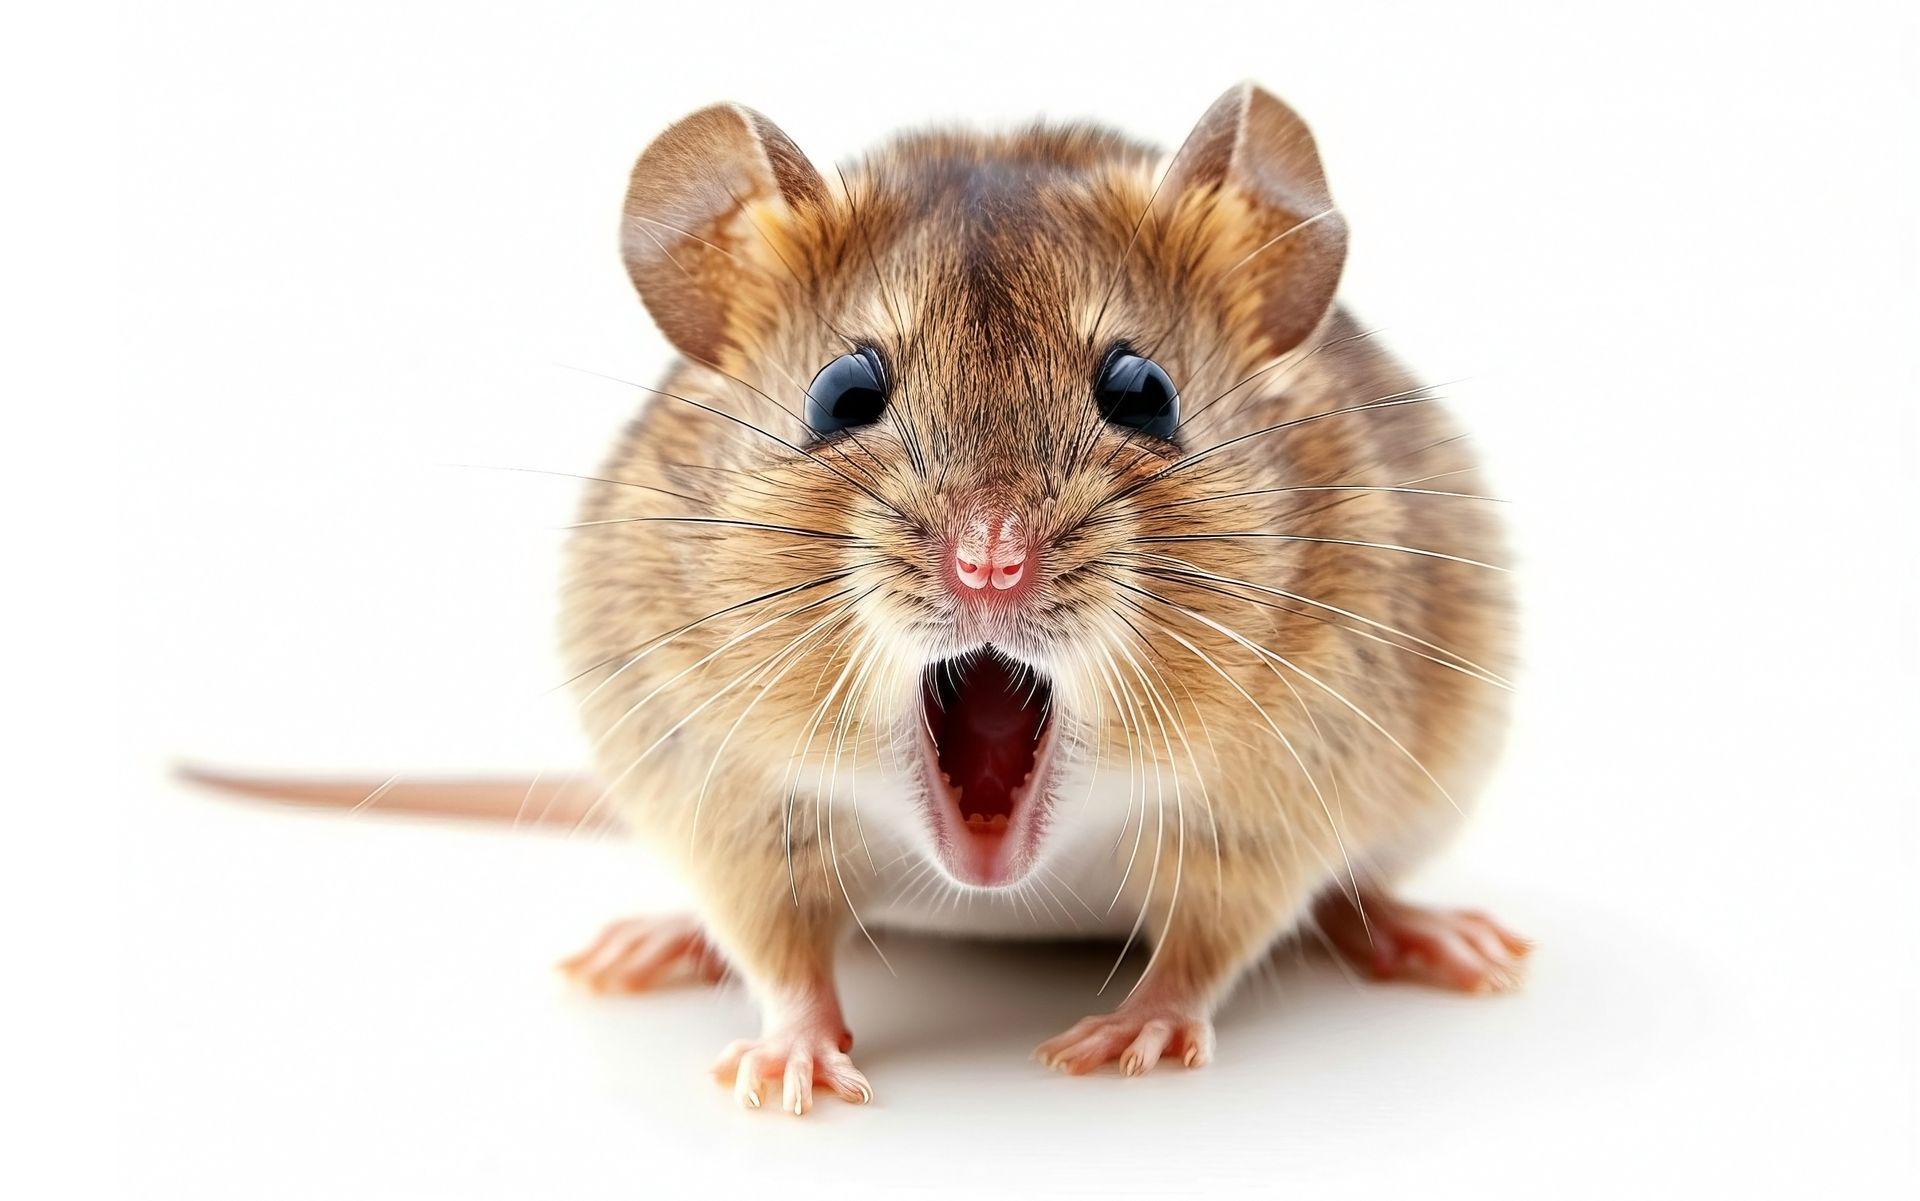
(1134, 1036)
(638, 953)
(1447, 948)
(799, 1056)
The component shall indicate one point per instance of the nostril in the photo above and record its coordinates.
(989, 559)
(969, 572)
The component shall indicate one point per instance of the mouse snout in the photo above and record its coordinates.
(992, 559)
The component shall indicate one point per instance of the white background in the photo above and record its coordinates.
(1668, 252)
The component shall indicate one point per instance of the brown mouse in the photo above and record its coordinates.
(1026, 544)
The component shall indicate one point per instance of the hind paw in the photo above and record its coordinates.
(1448, 948)
(639, 953)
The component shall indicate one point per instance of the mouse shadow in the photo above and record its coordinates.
(1606, 997)
(940, 997)
(931, 1001)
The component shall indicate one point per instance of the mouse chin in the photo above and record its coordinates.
(986, 740)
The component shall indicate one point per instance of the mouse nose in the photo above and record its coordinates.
(991, 559)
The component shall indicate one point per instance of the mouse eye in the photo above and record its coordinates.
(850, 391)
(1135, 392)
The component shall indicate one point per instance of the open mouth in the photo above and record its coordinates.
(988, 726)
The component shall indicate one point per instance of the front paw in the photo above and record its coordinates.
(1136, 1036)
(800, 1056)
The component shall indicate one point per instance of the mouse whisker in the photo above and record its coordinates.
(910, 439)
(1333, 824)
(1129, 716)
(797, 757)
(1039, 881)
(1206, 800)
(1220, 496)
(1276, 239)
(794, 650)
(857, 730)
(839, 452)
(685, 519)
(1283, 661)
(611, 787)
(1424, 479)
(654, 645)
(1237, 686)
(715, 367)
(1410, 397)
(595, 479)
(1293, 361)
(860, 485)
(1061, 881)
(1163, 712)
(1230, 535)
(612, 727)
(1181, 579)
(1119, 267)
(1135, 726)
(662, 639)
(857, 657)
(715, 247)
(808, 293)
(1180, 571)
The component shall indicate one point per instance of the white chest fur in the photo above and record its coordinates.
(1081, 887)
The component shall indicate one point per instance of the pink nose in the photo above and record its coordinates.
(991, 557)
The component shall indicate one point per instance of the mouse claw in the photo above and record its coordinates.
(746, 1089)
(797, 1093)
(1145, 1050)
(799, 1059)
(1135, 1037)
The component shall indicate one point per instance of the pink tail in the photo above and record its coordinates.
(549, 801)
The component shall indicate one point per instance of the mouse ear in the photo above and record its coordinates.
(684, 232)
(1251, 144)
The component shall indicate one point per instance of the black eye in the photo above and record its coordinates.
(850, 391)
(1133, 391)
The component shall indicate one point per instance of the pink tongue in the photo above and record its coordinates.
(986, 733)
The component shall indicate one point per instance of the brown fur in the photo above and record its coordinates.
(726, 668)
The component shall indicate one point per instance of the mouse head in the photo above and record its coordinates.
(977, 371)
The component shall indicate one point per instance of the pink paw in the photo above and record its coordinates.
(1447, 948)
(1135, 1036)
(638, 953)
(800, 1056)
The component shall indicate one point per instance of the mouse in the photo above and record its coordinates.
(1026, 543)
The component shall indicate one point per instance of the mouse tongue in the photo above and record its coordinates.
(986, 717)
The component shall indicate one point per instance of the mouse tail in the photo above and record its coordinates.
(560, 800)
